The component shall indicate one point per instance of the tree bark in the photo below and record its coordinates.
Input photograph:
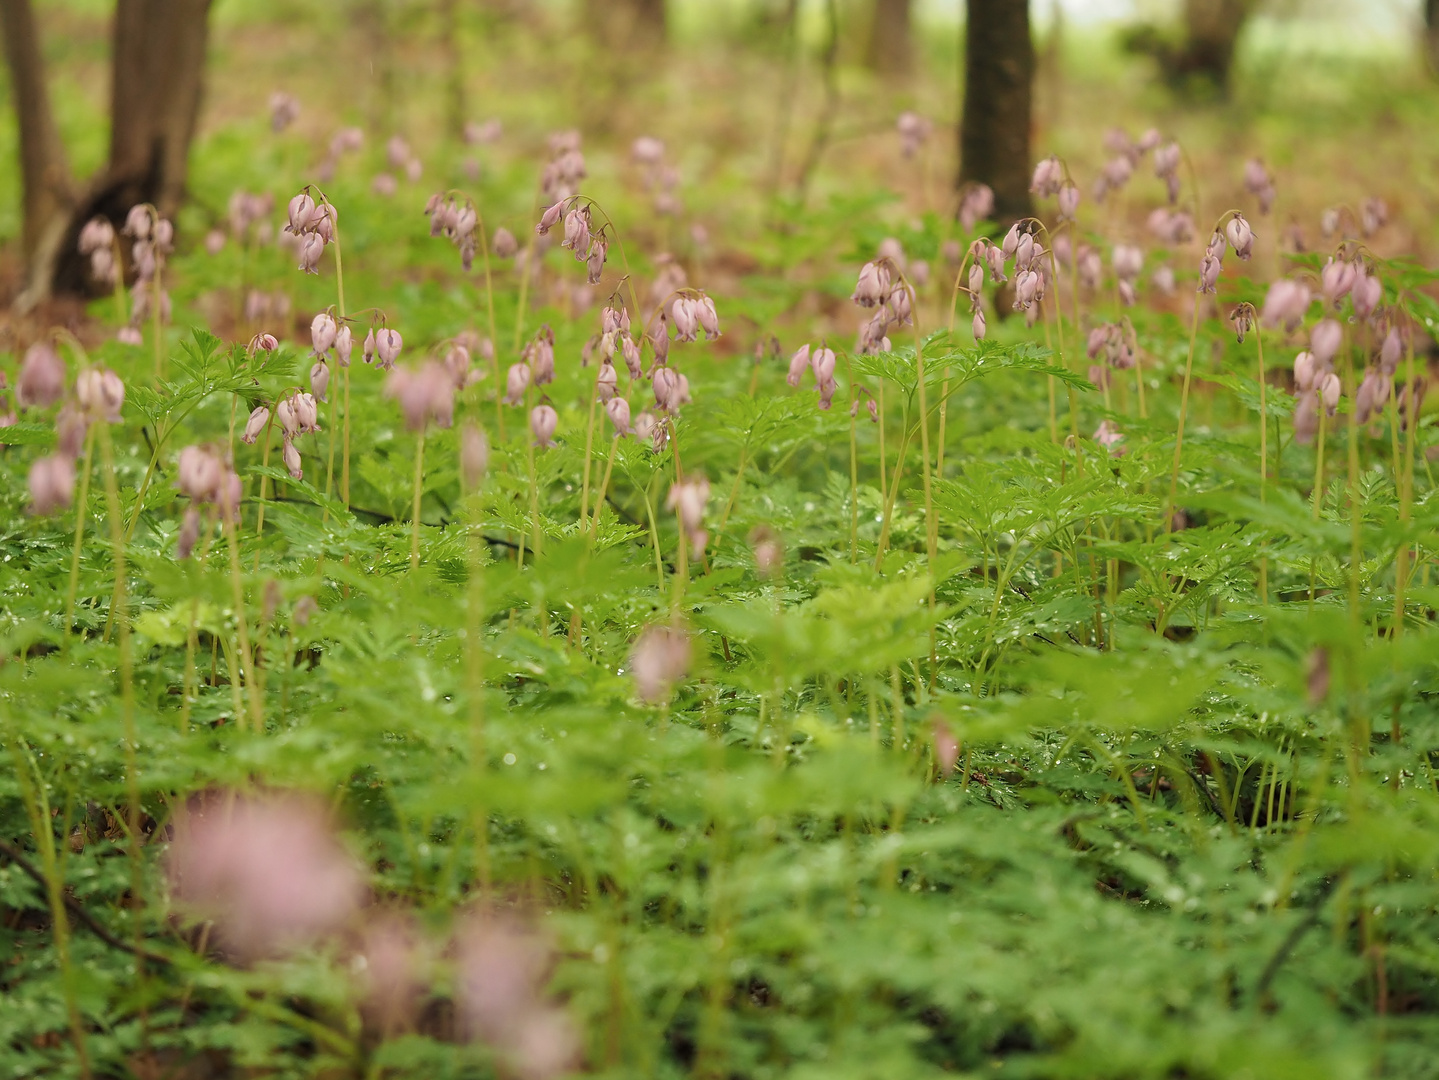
(890, 48)
(998, 87)
(620, 24)
(157, 69)
(44, 171)
(1211, 30)
(1431, 35)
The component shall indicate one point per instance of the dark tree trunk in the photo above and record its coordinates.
(998, 86)
(44, 172)
(1211, 29)
(1431, 35)
(622, 24)
(890, 48)
(157, 68)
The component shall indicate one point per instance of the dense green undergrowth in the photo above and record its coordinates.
(983, 762)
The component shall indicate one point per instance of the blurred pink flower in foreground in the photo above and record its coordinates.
(266, 868)
(500, 974)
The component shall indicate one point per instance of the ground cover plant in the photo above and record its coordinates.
(475, 614)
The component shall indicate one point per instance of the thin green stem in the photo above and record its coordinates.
(82, 504)
(419, 492)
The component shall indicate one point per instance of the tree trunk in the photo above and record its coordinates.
(621, 24)
(890, 48)
(998, 86)
(44, 171)
(1211, 32)
(158, 63)
(1431, 35)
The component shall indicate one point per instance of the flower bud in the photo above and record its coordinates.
(976, 280)
(1010, 244)
(198, 473)
(1240, 236)
(543, 422)
(189, 533)
(975, 206)
(1390, 351)
(577, 231)
(129, 335)
(822, 363)
(1285, 304)
(1329, 390)
(1306, 371)
(686, 324)
(1209, 270)
(367, 348)
(307, 413)
(1325, 340)
(618, 410)
(323, 330)
(288, 418)
(661, 658)
(387, 347)
(259, 418)
(630, 349)
(71, 423)
(606, 382)
(797, 363)
(100, 394)
(1372, 395)
(1306, 417)
(1336, 280)
(503, 244)
(517, 380)
(1368, 293)
(1068, 201)
(1126, 292)
(474, 456)
(595, 262)
(52, 484)
(319, 378)
(550, 218)
(977, 326)
(137, 222)
(301, 212)
(1163, 280)
(704, 311)
(291, 458)
(542, 357)
(873, 285)
(311, 248)
(1128, 262)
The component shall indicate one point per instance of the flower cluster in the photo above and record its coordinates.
(1127, 155)
(688, 499)
(882, 286)
(347, 140)
(590, 248)
(821, 362)
(424, 395)
(99, 396)
(206, 476)
(153, 238)
(660, 658)
(97, 240)
(314, 225)
(1259, 183)
(382, 346)
(284, 110)
(1051, 179)
(914, 132)
(566, 168)
(1110, 346)
(976, 204)
(658, 177)
(456, 221)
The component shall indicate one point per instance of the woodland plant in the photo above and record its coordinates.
(683, 723)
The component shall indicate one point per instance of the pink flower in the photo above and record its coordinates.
(543, 422)
(267, 869)
(661, 657)
(52, 484)
(42, 377)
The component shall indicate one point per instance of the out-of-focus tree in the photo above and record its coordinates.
(890, 47)
(622, 24)
(1204, 55)
(157, 64)
(998, 88)
(1431, 35)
